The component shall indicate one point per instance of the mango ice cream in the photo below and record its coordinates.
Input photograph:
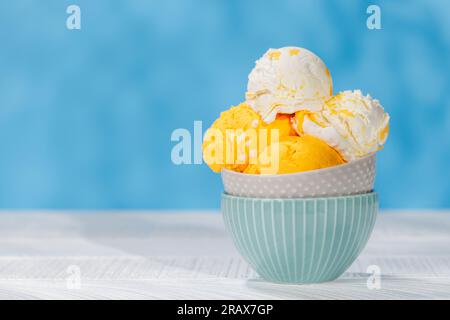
(236, 137)
(296, 154)
(291, 122)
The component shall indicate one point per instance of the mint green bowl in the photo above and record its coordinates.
(300, 240)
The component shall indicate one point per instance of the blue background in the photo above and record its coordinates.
(86, 116)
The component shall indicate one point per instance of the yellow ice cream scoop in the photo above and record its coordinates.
(295, 154)
(219, 143)
(233, 140)
(282, 123)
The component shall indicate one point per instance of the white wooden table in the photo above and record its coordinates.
(189, 255)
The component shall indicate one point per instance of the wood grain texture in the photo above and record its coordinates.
(170, 255)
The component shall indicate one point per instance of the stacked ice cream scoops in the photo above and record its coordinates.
(298, 168)
(291, 123)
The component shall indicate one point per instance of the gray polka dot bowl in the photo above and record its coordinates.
(351, 178)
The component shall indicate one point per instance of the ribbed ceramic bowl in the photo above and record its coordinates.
(351, 178)
(300, 240)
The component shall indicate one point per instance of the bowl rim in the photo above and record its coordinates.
(304, 173)
(372, 193)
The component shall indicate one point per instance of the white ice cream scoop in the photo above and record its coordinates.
(286, 80)
(353, 124)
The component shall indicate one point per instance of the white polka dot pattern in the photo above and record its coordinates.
(351, 178)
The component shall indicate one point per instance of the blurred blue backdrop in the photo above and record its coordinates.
(86, 116)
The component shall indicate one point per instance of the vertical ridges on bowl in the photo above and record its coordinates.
(300, 240)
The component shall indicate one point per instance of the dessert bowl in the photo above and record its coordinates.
(300, 240)
(354, 177)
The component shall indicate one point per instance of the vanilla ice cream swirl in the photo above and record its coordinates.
(353, 124)
(286, 80)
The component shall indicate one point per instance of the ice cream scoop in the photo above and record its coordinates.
(287, 80)
(353, 124)
(236, 120)
(295, 154)
(235, 138)
(282, 123)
